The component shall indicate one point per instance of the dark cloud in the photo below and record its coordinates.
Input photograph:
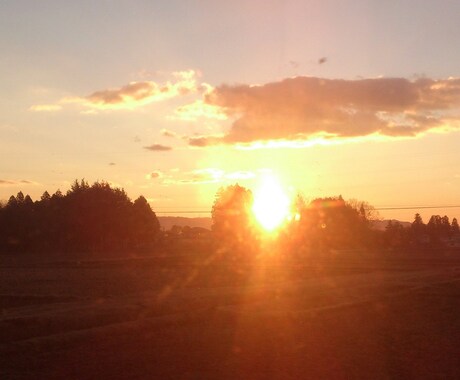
(158, 148)
(306, 107)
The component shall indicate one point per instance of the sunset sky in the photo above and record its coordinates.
(174, 99)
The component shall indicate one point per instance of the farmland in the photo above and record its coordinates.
(182, 316)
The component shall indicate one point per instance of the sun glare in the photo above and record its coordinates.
(271, 204)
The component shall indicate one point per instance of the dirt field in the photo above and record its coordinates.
(350, 316)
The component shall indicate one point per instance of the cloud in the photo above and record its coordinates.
(158, 148)
(154, 175)
(168, 133)
(14, 182)
(45, 108)
(7, 182)
(199, 109)
(202, 141)
(137, 94)
(198, 176)
(310, 108)
(207, 175)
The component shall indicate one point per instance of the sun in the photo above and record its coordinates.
(271, 204)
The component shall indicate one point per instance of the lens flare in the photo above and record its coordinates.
(271, 204)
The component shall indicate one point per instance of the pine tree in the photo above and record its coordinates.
(454, 227)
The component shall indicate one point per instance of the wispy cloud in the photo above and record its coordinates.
(199, 176)
(7, 182)
(315, 109)
(158, 148)
(16, 182)
(168, 133)
(45, 108)
(199, 109)
(132, 95)
(137, 94)
(206, 176)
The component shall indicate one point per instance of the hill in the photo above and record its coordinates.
(166, 222)
(381, 224)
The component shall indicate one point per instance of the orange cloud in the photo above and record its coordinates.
(136, 94)
(199, 109)
(139, 93)
(158, 148)
(305, 108)
(154, 175)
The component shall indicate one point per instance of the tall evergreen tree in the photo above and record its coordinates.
(455, 227)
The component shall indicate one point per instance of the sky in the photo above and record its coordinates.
(173, 100)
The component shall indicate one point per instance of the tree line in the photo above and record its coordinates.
(97, 217)
(87, 218)
(324, 224)
(438, 232)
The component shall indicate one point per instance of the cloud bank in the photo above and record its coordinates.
(306, 108)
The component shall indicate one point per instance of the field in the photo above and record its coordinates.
(349, 315)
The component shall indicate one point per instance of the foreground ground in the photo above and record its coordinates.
(345, 316)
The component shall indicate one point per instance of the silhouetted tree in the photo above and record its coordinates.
(232, 218)
(87, 218)
(20, 197)
(12, 202)
(445, 227)
(418, 229)
(333, 223)
(434, 229)
(395, 236)
(454, 227)
(45, 197)
(146, 227)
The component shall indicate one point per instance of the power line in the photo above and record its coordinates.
(415, 207)
(375, 208)
(183, 212)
